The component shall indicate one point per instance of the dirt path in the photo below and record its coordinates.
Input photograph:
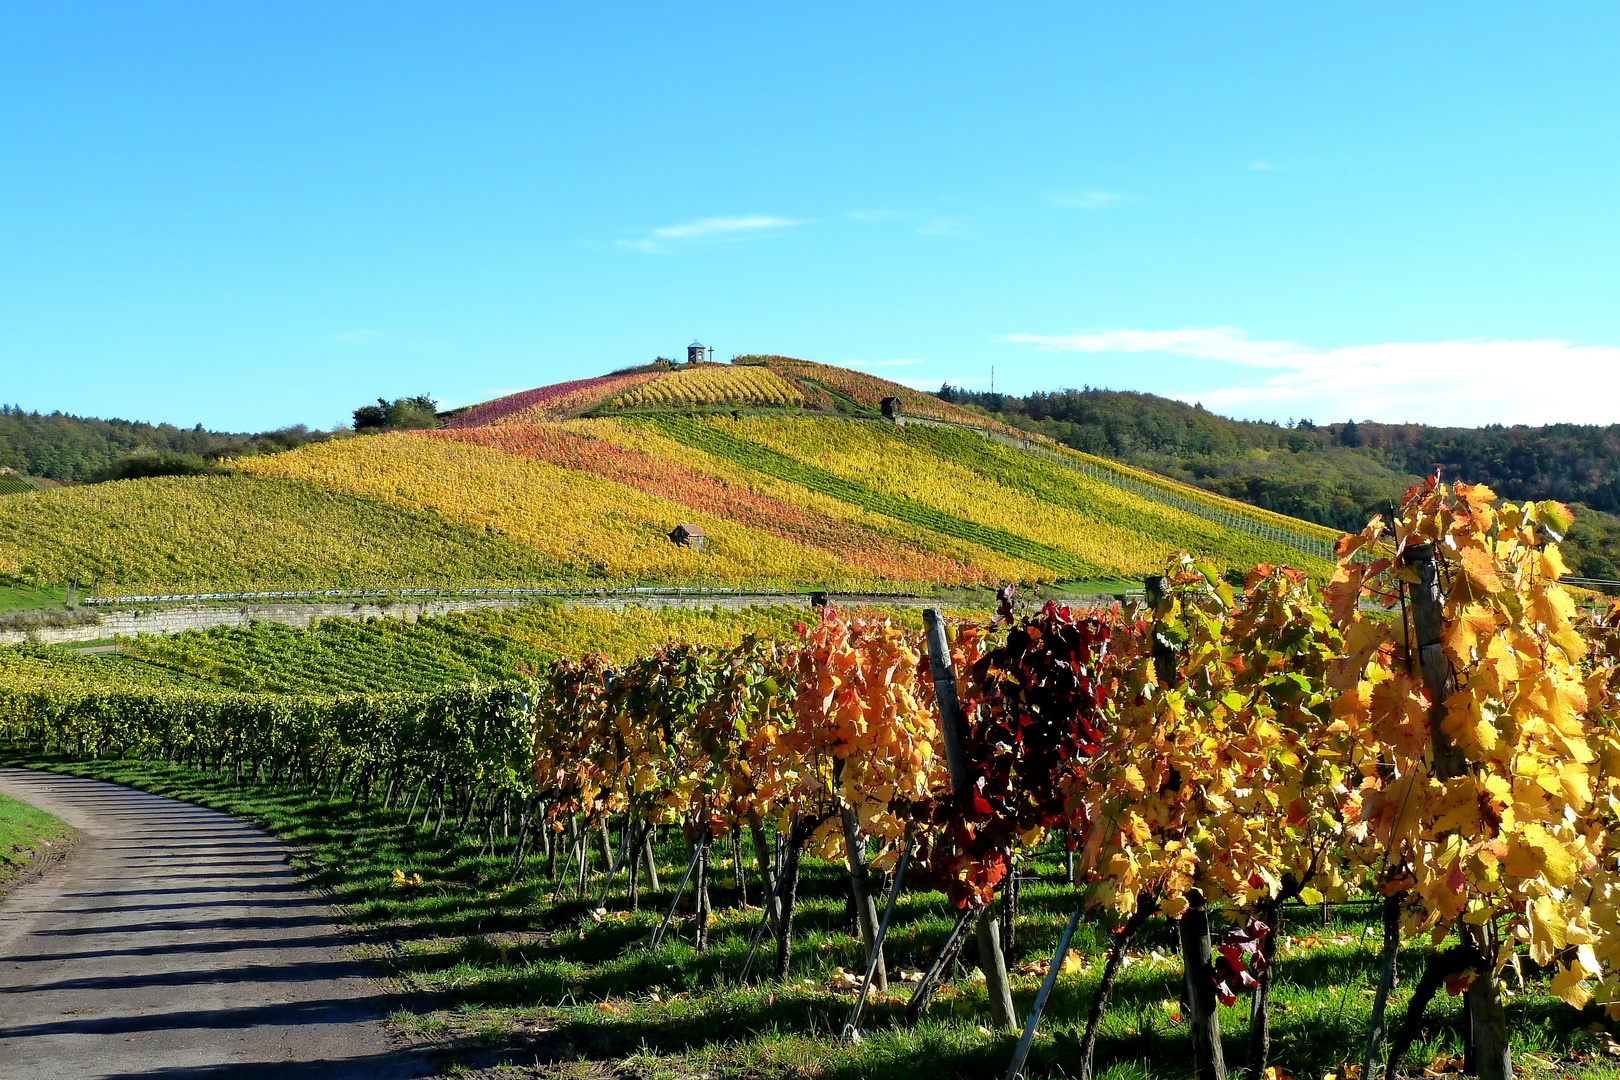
(175, 942)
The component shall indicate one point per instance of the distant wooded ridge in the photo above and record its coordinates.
(82, 449)
(1335, 474)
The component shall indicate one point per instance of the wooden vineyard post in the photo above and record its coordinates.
(1209, 1062)
(1021, 1053)
(700, 898)
(649, 867)
(946, 701)
(1489, 1054)
(951, 724)
(865, 908)
(756, 830)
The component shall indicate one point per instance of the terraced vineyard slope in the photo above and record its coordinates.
(787, 469)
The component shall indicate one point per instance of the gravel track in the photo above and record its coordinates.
(176, 942)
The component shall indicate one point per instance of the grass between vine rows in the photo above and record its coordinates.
(27, 836)
(513, 981)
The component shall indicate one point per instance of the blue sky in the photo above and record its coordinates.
(251, 215)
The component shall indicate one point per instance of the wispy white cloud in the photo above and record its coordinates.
(659, 241)
(1439, 382)
(1262, 166)
(355, 337)
(1224, 343)
(1089, 200)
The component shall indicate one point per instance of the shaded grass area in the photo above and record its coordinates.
(27, 835)
(519, 970)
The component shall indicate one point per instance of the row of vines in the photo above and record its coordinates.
(1435, 730)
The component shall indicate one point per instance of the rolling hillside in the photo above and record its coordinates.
(786, 467)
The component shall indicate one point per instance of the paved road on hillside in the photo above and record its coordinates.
(176, 943)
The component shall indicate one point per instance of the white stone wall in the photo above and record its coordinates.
(203, 616)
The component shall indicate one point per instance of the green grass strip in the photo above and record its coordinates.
(705, 437)
(27, 834)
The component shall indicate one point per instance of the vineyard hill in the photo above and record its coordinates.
(797, 474)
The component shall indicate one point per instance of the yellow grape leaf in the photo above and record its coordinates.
(1533, 851)
(1310, 896)
(1577, 789)
(1567, 985)
(1547, 931)
(1173, 907)
(1458, 808)
(1474, 623)
(1470, 725)
(1553, 608)
(1551, 563)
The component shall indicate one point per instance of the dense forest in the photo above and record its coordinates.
(1337, 474)
(77, 449)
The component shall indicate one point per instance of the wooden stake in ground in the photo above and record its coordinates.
(865, 908)
(1489, 1054)
(951, 724)
(701, 897)
(1209, 1062)
(1146, 907)
(762, 853)
(1386, 982)
(649, 863)
(789, 888)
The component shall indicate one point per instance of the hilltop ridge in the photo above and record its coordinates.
(781, 473)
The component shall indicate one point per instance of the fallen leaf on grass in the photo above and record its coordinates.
(1072, 963)
(1442, 1064)
(843, 979)
(609, 1008)
(910, 976)
(1606, 1043)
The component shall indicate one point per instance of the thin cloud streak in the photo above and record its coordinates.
(657, 241)
(1468, 382)
(941, 227)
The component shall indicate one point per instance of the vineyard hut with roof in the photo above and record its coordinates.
(689, 536)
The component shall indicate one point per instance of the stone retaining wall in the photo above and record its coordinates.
(204, 616)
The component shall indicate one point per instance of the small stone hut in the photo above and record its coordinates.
(689, 536)
(891, 410)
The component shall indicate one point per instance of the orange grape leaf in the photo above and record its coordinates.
(1479, 572)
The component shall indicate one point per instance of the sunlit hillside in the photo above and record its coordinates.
(788, 470)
